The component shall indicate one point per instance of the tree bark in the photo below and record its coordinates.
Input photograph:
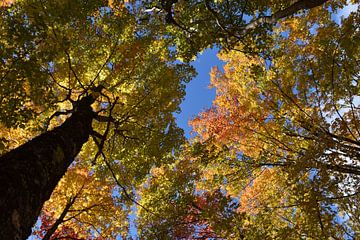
(29, 173)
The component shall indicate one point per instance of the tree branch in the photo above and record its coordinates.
(292, 9)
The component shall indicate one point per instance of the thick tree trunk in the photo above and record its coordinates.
(29, 173)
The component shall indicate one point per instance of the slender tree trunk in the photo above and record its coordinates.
(29, 173)
(60, 220)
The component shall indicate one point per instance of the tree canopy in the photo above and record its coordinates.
(277, 155)
(88, 91)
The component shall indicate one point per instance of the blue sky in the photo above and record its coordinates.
(343, 13)
(198, 95)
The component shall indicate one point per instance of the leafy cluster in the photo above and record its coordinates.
(275, 157)
(283, 133)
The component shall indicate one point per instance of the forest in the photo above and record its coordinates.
(89, 143)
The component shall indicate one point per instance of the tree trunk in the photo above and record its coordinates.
(29, 173)
(60, 220)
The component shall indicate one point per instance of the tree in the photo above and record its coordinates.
(291, 113)
(80, 206)
(89, 67)
(184, 212)
(107, 69)
(283, 137)
(284, 112)
(206, 195)
(196, 25)
(283, 129)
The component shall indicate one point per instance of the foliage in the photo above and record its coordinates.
(85, 205)
(289, 120)
(61, 50)
(184, 212)
(279, 147)
(54, 53)
(276, 156)
(196, 25)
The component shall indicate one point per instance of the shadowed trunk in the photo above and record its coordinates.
(29, 173)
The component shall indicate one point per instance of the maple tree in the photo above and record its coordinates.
(289, 119)
(279, 146)
(74, 69)
(272, 159)
(196, 25)
(82, 205)
(205, 195)
(184, 212)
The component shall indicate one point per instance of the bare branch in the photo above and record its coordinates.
(56, 114)
(292, 9)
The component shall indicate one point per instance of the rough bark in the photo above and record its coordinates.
(29, 173)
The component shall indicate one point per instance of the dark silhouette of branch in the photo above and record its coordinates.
(60, 220)
(73, 71)
(292, 9)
